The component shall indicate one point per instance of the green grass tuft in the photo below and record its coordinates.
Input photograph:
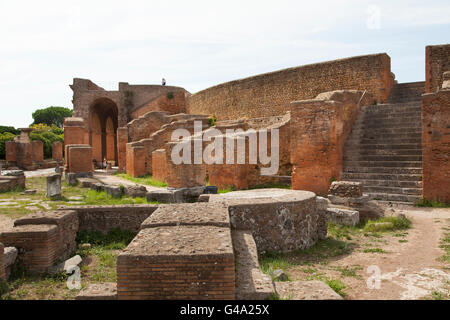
(146, 180)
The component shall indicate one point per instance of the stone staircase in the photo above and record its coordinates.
(383, 151)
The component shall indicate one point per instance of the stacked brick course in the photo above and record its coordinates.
(38, 245)
(437, 61)
(270, 94)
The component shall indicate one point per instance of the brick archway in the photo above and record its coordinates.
(103, 123)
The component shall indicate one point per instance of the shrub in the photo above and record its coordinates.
(170, 95)
(7, 136)
(212, 121)
(4, 129)
(48, 135)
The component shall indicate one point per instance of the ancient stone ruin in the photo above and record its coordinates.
(345, 129)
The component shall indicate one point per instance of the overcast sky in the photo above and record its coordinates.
(196, 44)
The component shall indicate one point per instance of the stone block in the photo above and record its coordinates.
(342, 216)
(113, 191)
(177, 262)
(37, 245)
(54, 185)
(98, 291)
(71, 178)
(279, 219)
(200, 214)
(136, 191)
(162, 196)
(306, 290)
(2, 263)
(251, 282)
(349, 189)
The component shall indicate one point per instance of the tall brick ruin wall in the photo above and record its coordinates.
(437, 61)
(271, 93)
(320, 127)
(436, 145)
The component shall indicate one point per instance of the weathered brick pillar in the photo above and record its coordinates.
(122, 140)
(159, 165)
(436, 146)
(57, 153)
(79, 158)
(135, 159)
(184, 174)
(10, 150)
(74, 133)
(37, 147)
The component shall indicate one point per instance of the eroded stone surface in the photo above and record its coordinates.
(98, 291)
(346, 189)
(342, 216)
(306, 290)
(212, 214)
(279, 219)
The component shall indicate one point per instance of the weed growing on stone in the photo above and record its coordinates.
(432, 204)
(146, 180)
(374, 250)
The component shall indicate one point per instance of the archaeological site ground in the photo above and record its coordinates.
(328, 181)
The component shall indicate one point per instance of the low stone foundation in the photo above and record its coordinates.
(67, 223)
(177, 262)
(38, 245)
(12, 179)
(280, 220)
(107, 218)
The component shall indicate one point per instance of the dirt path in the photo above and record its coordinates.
(409, 268)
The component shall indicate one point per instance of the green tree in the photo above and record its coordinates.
(51, 115)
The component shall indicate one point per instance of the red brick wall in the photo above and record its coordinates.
(37, 151)
(122, 140)
(436, 145)
(271, 93)
(162, 103)
(159, 162)
(437, 61)
(136, 160)
(57, 153)
(319, 129)
(10, 150)
(79, 158)
(37, 245)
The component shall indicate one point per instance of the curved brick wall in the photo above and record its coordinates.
(270, 94)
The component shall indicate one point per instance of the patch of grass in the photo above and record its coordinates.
(114, 239)
(309, 270)
(271, 261)
(374, 250)
(387, 224)
(227, 189)
(349, 271)
(146, 180)
(445, 244)
(212, 121)
(402, 240)
(337, 285)
(92, 197)
(432, 204)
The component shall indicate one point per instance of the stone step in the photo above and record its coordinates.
(393, 106)
(390, 115)
(388, 130)
(394, 197)
(380, 126)
(388, 183)
(358, 141)
(351, 176)
(388, 136)
(355, 151)
(394, 158)
(394, 164)
(251, 283)
(374, 146)
(389, 121)
(383, 170)
(392, 190)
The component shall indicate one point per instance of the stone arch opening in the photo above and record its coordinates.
(103, 123)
